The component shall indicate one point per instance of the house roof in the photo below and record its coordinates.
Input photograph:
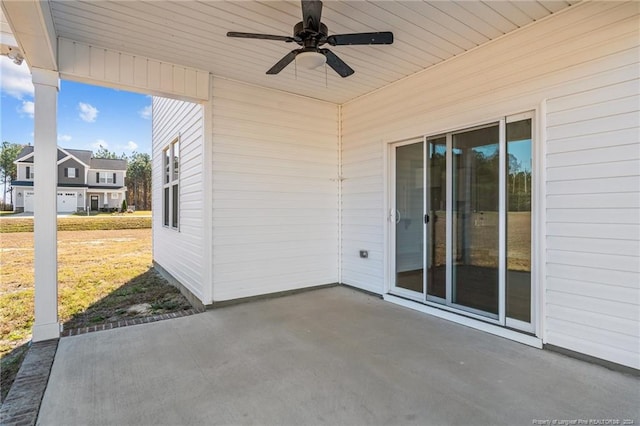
(193, 34)
(26, 150)
(83, 155)
(108, 164)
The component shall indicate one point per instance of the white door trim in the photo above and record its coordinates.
(451, 311)
(481, 325)
(391, 217)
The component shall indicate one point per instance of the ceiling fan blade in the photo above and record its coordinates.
(282, 63)
(384, 37)
(260, 36)
(336, 63)
(311, 14)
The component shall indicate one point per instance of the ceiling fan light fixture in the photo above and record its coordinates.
(310, 60)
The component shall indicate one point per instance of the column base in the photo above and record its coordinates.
(43, 332)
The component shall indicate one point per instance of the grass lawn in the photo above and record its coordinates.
(135, 213)
(101, 273)
(78, 223)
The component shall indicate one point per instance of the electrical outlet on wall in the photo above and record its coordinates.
(364, 254)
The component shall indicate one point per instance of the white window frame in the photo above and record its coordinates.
(105, 177)
(71, 172)
(459, 315)
(171, 180)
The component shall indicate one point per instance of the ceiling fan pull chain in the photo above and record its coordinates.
(326, 77)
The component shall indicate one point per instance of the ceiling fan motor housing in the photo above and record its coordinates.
(310, 38)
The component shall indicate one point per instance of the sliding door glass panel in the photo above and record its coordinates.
(436, 241)
(475, 219)
(409, 216)
(519, 166)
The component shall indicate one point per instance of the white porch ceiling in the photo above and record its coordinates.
(193, 34)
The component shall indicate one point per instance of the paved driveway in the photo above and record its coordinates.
(333, 356)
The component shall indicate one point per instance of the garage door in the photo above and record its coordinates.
(28, 201)
(67, 201)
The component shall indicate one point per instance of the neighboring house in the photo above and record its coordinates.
(84, 182)
(484, 168)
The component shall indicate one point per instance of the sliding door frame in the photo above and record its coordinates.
(448, 305)
(392, 217)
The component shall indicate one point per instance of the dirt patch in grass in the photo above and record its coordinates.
(145, 295)
(101, 275)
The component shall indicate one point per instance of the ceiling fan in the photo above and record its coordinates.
(311, 34)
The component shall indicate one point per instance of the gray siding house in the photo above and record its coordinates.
(84, 182)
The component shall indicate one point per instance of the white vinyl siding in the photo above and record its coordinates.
(173, 118)
(275, 191)
(84, 62)
(583, 65)
(593, 221)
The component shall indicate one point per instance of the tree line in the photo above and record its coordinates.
(138, 180)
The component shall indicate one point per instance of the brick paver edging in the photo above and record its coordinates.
(22, 404)
(125, 323)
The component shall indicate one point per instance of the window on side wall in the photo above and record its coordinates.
(171, 185)
(106, 177)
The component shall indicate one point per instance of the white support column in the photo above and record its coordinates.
(46, 84)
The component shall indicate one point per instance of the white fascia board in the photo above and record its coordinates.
(7, 38)
(68, 155)
(106, 190)
(21, 160)
(106, 170)
(32, 27)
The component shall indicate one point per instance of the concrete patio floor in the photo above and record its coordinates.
(331, 356)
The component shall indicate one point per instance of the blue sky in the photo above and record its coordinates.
(88, 116)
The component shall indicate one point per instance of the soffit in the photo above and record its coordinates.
(193, 34)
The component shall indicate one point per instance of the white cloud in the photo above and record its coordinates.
(128, 147)
(64, 138)
(145, 112)
(88, 112)
(27, 108)
(16, 80)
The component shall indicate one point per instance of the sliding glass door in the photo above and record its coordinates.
(407, 213)
(475, 197)
(519, 195)
(461, 206)
(436, 235)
